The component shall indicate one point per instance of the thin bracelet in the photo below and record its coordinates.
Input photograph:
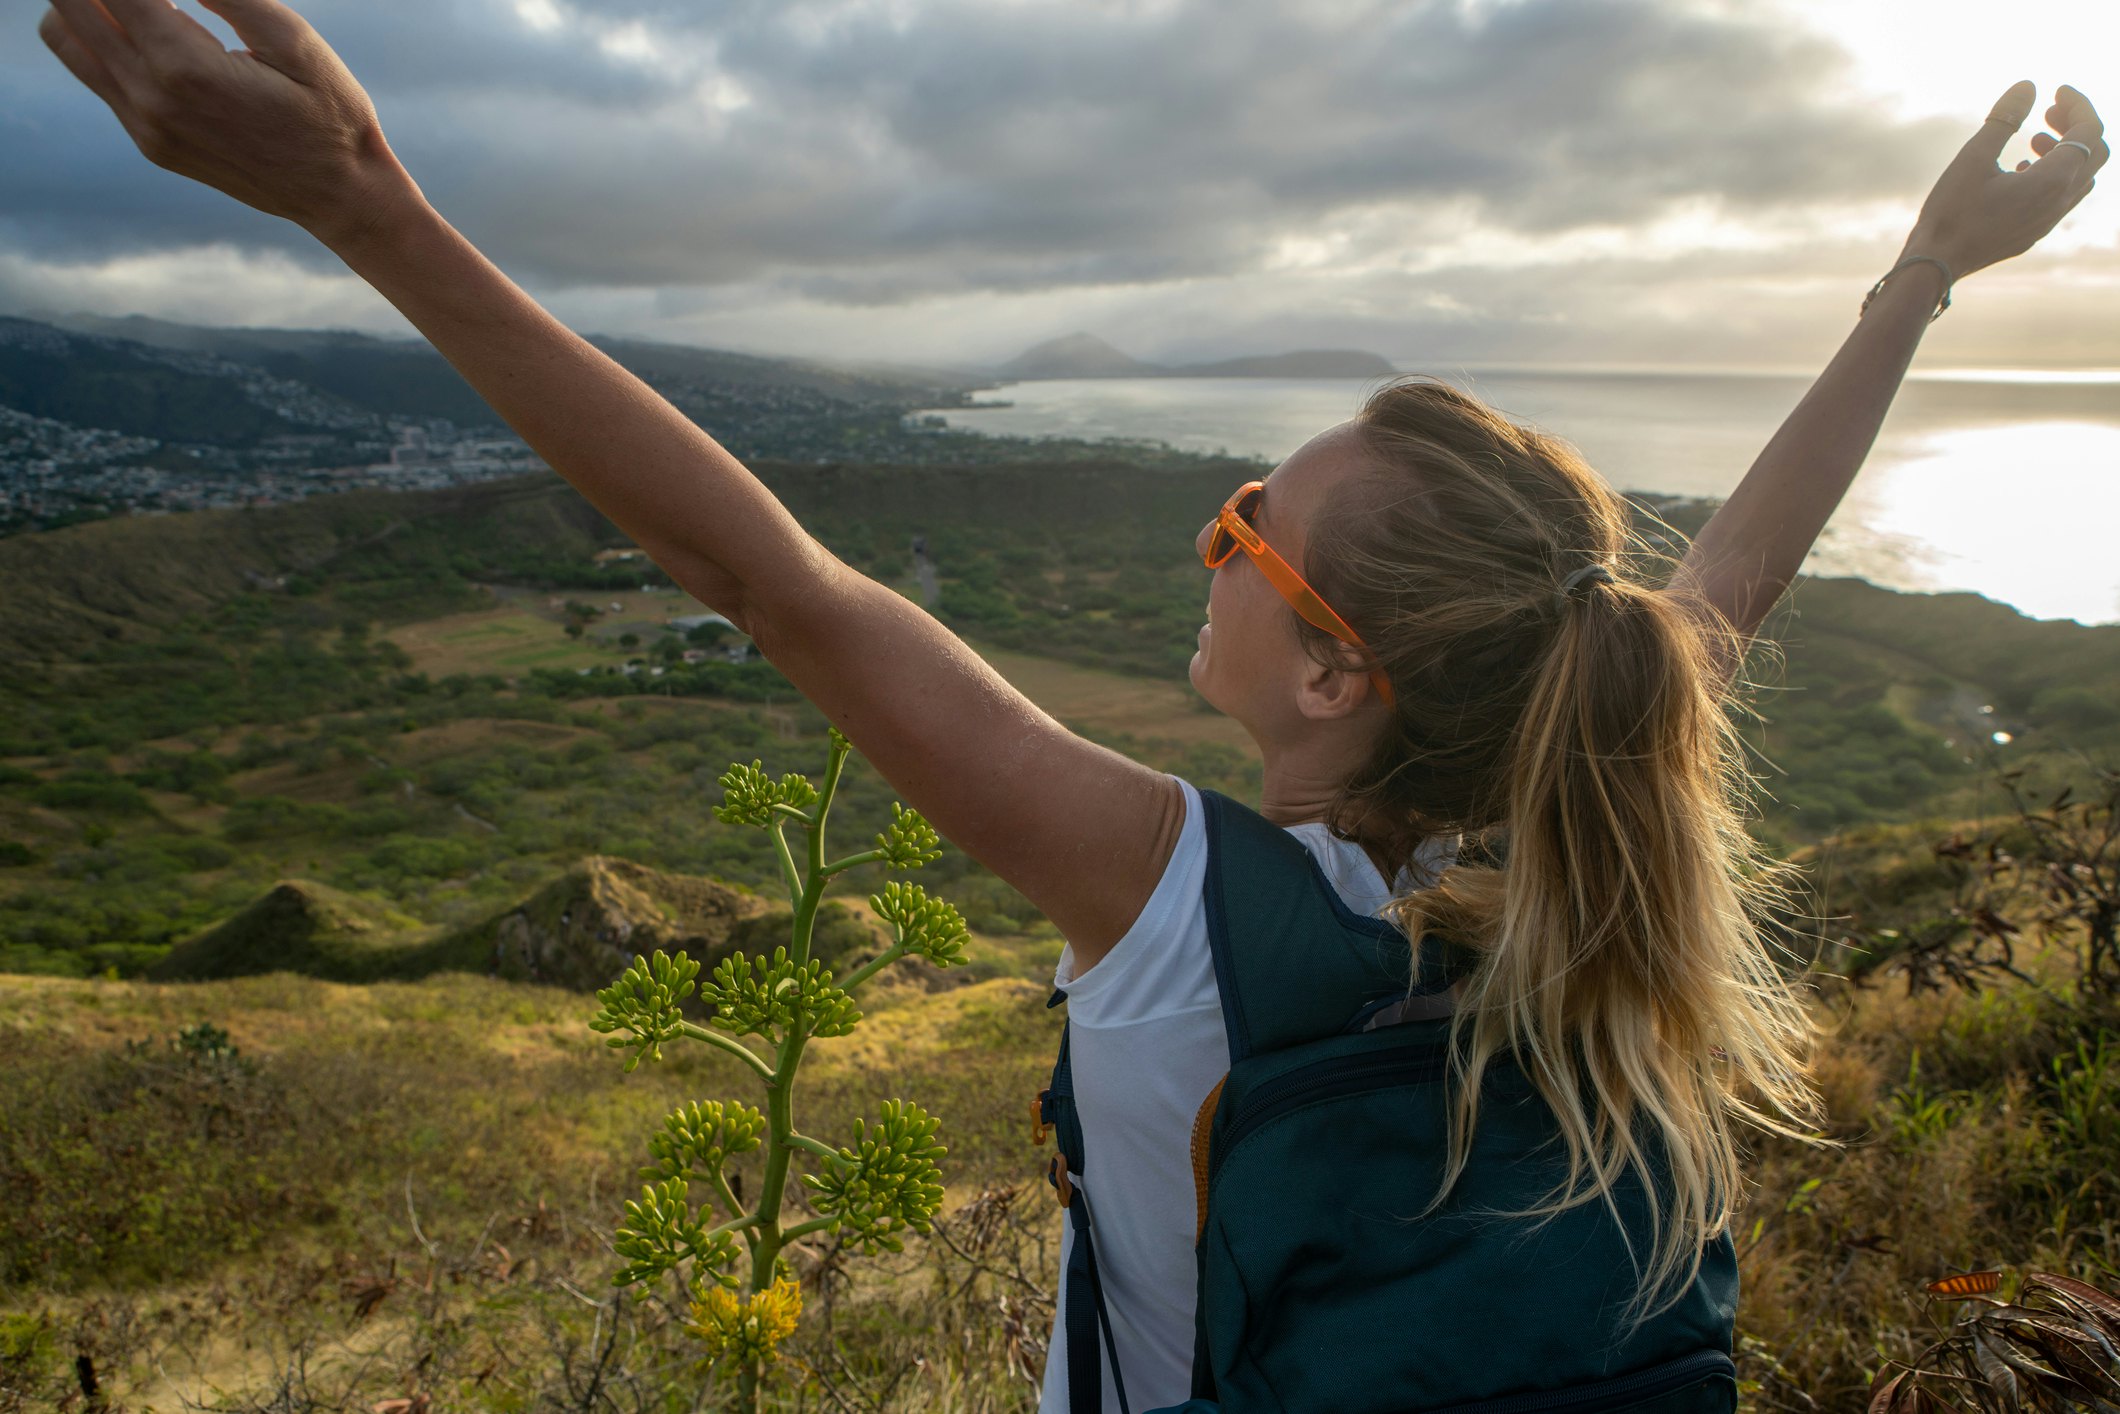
(1948, 281)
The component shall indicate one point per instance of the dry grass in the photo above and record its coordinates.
(1952, 1154)
(487, 1099)
(1115, 704)
(480, 1105)
(524, 630)
(504, 641)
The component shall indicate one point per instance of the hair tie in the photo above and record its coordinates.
(1588, 574)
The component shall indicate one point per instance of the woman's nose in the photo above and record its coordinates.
(1200, 541)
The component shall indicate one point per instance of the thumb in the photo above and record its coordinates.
(2003, 120)
(270, 30)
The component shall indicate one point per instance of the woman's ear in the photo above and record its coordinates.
(1325, 694)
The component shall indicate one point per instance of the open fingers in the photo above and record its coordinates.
(81, 61)
(272, 31)
(95, 32)
(161, 32)
(2003, 121)
(2080, 123)
(2081, 149)
(2072, 110)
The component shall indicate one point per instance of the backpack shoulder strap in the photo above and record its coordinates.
(1293, 962)
(1086, 1317)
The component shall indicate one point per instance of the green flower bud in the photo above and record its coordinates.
(660, 1232)
(642, 1004)
(887, 1181)
(748, 795)
(909, 841)
(698, 1138)
(770, 998)
(925, 927)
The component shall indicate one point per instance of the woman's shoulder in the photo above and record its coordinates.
(1162, 963)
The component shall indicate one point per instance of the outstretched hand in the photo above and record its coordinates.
(1978, 214)
(281, 126)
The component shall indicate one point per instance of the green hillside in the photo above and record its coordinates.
(94, 382)
(205, 705)
(299, 926)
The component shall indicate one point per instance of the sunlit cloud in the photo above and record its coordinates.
(952, 179)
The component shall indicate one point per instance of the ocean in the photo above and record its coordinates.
(2005, 483)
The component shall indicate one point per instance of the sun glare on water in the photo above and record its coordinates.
(2026, 513)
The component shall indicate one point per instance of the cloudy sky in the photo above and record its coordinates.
(947, 181)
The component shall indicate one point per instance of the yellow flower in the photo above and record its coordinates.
(738, 1329)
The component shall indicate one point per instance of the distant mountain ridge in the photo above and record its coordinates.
(1087, 356)
(406, 377)
(167, 391)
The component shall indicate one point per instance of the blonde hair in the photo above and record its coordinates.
(1582, 739)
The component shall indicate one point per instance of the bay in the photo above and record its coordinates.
(2002, 482)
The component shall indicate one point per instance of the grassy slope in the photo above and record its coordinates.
(190, 1226)
(140, 1184)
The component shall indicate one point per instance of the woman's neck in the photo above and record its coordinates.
(1301, 782)
(1288, 800)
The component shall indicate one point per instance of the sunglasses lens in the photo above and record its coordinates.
(1221, 545)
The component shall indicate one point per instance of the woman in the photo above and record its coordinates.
(1494, 666)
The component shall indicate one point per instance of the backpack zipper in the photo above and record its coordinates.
(1327, 1080)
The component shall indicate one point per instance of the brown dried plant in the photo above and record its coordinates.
(2054, 1347)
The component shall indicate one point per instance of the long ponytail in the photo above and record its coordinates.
(1582, 734)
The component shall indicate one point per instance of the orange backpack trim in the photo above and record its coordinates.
(1202, 1130)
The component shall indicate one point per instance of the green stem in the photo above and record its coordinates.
(789, 812)
(873, 966)
(833, 766)
(773, 1183)
(814, 1146)
(867, 856)
(735, 1048)
(789, 875)
(818, 872)
(729, 1200)
(748, 1220)
(805, 892)
(804, 1229)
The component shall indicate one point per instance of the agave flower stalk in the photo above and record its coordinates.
(884, 1182)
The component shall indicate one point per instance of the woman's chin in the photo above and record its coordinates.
(1196, 674)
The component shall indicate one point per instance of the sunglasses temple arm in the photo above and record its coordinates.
(1305, 600)
(1312, 606)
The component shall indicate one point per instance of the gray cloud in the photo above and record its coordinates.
(871, 151)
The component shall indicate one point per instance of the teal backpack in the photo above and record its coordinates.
(1324, 1288)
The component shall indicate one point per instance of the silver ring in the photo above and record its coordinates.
(2082, 147)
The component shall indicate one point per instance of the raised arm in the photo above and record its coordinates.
(283, 127)
(1976, 215)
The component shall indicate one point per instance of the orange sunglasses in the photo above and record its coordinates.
(1234, 531)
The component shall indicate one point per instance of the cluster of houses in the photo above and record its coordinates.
(51, 471)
